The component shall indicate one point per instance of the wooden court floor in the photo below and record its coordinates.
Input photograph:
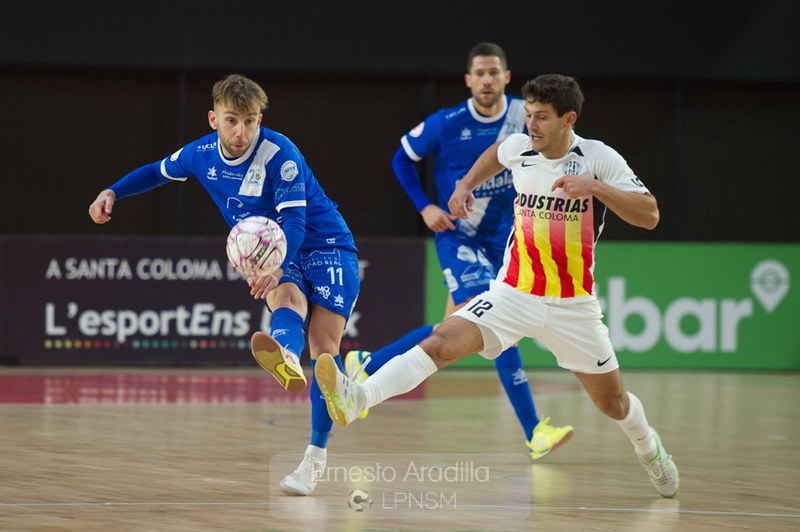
(110, 449)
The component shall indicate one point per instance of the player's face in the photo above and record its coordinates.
(551, 135)
(487, 79)
(236, 128)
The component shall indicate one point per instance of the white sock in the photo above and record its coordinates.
(401, 374)
(635, 426)
(318, 453)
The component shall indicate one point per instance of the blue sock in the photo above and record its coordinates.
(287, 329)
(398, 347)
(512, 375)
(321, 423)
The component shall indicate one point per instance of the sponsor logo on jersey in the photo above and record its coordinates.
(551, 203)
(496, 185)
(457, 112)
(417, 131)
(206, 147)
(509, 128)
(289, 171)
(233, 201)
(466, 134)
(226, 174)
(174, 156)
(486, 132)
(254, 176)
(212, 174)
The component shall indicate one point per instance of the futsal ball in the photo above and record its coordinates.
(256, 245)
(359, 500)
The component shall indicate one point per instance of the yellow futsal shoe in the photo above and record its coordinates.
(281, 363)
(546, 438)
(342, 397)
(354, 363)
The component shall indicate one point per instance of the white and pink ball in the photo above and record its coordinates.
(256, 245)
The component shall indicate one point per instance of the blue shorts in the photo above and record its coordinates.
(327, 277)
(468, 263)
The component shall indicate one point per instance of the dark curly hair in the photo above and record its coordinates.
(563, 92)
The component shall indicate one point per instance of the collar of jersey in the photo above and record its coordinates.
(243, 158)
(487, 119)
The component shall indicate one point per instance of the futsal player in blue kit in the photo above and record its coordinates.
(470, 251)
(250, 170)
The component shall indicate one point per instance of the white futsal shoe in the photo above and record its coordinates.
(343, 398)
(354, 363)
(662, 470)
(303, 480)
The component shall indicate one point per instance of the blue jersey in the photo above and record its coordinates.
(457, 137)
(271, 176)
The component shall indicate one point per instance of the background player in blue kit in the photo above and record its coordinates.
(250, 170)
(470, 251)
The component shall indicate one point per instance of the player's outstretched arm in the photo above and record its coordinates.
(100, 209)
(142, 179)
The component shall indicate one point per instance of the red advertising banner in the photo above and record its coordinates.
(172, 300)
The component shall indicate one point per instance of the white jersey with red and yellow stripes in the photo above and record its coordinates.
(551, 249)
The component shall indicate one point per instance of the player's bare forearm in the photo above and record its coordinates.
(640, 210)
(485, 166)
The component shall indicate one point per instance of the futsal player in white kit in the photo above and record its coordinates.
(545, 290)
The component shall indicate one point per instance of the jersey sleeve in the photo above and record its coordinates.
(290, 176)
(178, 166)
(293, 223)
(140, 180)
(511, 147)
(424, 138)
(408, 177)
(610, 167)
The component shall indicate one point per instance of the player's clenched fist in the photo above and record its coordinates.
(100, 209)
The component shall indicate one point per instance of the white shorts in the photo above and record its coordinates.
(573, 330)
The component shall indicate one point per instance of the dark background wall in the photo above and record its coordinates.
(701, 97)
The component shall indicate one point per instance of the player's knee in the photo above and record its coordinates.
(287, 295)
(323, 342)
(439, 349)
(613, 406)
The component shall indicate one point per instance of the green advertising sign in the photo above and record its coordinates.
(684, 305)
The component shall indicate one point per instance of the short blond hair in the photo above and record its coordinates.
(241, 93)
